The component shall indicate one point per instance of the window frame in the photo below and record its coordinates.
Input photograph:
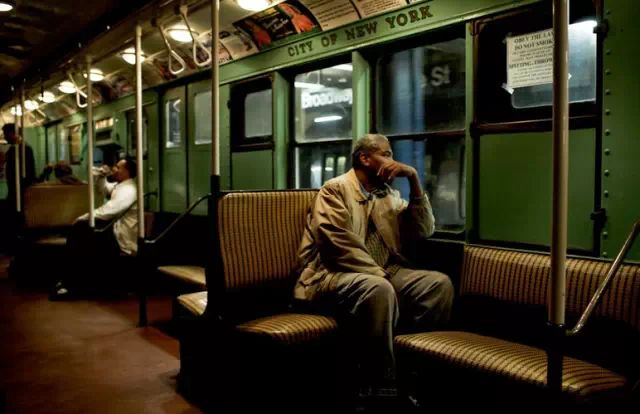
(457, 30)
(238, 94)
(290, 74)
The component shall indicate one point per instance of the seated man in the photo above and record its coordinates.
(121, 206)
(62, 172)
(353, 264)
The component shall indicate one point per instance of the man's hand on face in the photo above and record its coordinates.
(391, 169)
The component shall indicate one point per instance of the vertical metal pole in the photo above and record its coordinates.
(215, 90)
(16, 165)
(23, 145)
(140, 138)
(90, 139)
(557, 283)
(142, 305)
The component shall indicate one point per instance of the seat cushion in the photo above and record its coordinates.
(193, 275)
(519, 363)
(290, 328)
(50, 240)
(194, 302)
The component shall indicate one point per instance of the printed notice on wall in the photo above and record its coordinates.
(332, 13)
(530, 59)
(368, 8)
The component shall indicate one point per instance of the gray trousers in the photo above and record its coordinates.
(374, 306)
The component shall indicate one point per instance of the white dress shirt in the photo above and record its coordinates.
(123, 198)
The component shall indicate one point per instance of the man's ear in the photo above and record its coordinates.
(364, 159)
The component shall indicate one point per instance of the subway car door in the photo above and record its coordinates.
(199, 145)
(175, 197)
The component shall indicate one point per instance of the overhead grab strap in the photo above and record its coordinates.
(79, 93)
(195, 43)
(172, 55)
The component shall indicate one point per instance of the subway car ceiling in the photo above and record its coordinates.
(431, 75)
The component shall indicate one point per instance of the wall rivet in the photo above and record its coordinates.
(606, 173)
(607, 111)
(607, 71)
(607, 132)
(608, 52)
(607, 151)
(608, 12)
(607, 91)
(606, 193)
(605, 235)
(605, 254)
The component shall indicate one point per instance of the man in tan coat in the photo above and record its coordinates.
(352, 259)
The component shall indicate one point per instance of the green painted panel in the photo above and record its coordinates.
(621, 143)
(152, 163)
(199, 94)
(174, 194)
(515, 188)
(35, 137)
(252, 170)
(225, 139)
(281, 97)
(408, 21)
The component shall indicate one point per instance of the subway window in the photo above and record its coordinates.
(420, 107)
(172, 127)
(252, 114)
(322, 124)
(202, 109)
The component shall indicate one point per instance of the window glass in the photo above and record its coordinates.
(173, 129)
(202, 108)
(422, 89)
(315, 164)
(63, 144)
(582, 71)
(258, 114)
(75, 140)
(440, 165)
(51, 144)
(323, 101)
(133, 131)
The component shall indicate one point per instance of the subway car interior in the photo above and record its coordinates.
(157, 187)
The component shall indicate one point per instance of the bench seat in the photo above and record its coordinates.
(193, 275)
(581, 380)
(290, 328)
(195, 303)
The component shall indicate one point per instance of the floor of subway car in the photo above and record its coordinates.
(85, 356)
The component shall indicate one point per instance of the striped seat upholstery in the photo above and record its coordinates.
(521, 279)
(290, 328)
(193, 275)
(521, 363)
(259, 237)
(195, 303)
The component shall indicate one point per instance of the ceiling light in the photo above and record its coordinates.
(31, 105)
(66, 87)
(180, 33)
(47, 97)
(254, 5)
(329, 118)
(96, 75)
(308, 85)
(16, 110)
(7, 5)
(129, 56)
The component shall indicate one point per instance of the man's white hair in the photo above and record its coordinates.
(365, 145)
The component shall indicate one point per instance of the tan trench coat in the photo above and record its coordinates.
(334, 239)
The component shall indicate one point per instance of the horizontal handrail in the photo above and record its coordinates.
(113, 220)
(178, 219)
(613, 269)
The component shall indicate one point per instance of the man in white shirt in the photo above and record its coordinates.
(121, 240)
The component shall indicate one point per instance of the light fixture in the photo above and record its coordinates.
(16, 110)
(329, 118)
(47, 97)
(7, 5)
(180, 33)
(308, 85)
(31, 105)
(96, 75)
(129, 56)
(66, 87)
(254, 5)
